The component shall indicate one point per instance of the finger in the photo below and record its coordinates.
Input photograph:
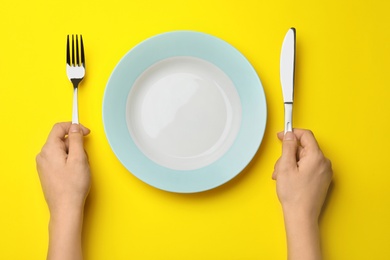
(306, 139)
(274, 174)
(76, 142)
(280, 136)
(300, 152)
(58, 132)
(66, 142)
(85, 130)
(289, 151)
(55, 146)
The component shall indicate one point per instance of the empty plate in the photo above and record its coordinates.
(184, 111)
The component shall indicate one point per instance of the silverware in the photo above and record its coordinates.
(75, 69)
(287, 69)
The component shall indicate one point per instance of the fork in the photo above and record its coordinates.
(75, 69)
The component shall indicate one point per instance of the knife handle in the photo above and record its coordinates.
(288, 108)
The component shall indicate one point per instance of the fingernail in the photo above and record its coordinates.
(74, 128)
(288, 136)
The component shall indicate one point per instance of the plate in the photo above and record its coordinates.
(184, 111)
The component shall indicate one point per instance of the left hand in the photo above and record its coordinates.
(63, 168)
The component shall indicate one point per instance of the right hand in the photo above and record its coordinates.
(302, 174)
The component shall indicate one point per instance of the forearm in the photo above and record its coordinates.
(65, 235)
(303, 237)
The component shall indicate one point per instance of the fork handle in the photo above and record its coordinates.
(75, 110)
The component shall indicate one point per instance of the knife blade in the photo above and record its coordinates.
(287, 71)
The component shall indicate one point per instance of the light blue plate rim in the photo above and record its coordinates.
(211, 49)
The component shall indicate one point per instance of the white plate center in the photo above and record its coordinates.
(183, 113)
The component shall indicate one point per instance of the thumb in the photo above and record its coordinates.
(289, 150)
(76, 142)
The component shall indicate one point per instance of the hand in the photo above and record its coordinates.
(63, 168)
(302, 174)
(65, 178)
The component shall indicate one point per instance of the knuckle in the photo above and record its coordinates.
(329, 166)
(86, 155)
(56, 126)
(328, 162)
(277, 163)
(79, 159)
(326, 168)
(38, 158)
(59, 127)
(309, 132)
(319, 155)
(274, 175)
(42, 153)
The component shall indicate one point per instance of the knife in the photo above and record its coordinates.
(287, 69)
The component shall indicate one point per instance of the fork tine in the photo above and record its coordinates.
(82, 51)
(67, 51)
(77, 51)
(73, 54)
(75, 68)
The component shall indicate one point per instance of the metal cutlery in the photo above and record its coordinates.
(287, 69)
(75, 69)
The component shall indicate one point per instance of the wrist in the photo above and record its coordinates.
(66, 205)
(295, 212)
(64, 215)
(300, 220)
(302, 233)
(65, 232)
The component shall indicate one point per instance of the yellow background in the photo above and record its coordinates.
(342, 94)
